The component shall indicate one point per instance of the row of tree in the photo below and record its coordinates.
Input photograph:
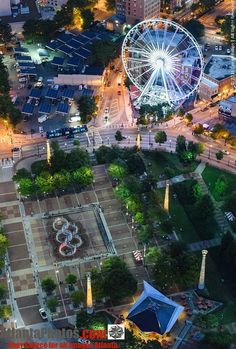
(7, 110)
(188, 151)
(63, 170)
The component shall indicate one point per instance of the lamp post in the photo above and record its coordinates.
(170, 142)
(149, 134)
(201, 283)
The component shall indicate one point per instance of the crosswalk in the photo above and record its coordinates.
(6, 163)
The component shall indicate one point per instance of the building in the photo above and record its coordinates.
(138, 10)
(91, 76)
(154, 312)
(5, 7)
(55, 4)
(227, 108)
(219, 78)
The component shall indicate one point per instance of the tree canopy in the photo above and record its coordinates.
(195, 27)
(87, 107)
(116, 281)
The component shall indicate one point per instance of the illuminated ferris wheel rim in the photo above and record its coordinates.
(160, 61)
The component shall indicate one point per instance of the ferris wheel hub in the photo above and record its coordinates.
(160, 60)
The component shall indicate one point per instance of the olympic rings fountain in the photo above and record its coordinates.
(67, 236)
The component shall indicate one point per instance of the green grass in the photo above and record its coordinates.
(218, 289)
(160, 159)
(183, 226)
(210, 176)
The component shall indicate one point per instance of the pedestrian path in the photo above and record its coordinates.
(204, 244)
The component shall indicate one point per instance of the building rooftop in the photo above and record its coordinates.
(22, 17)
(154, 312)
(209, 83)
(220, 67)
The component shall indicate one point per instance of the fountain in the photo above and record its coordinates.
(67, 236)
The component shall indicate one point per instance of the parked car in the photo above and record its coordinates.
(43, 314)
(216, 47)
(42, 118)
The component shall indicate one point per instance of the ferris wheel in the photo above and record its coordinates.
(163, 60)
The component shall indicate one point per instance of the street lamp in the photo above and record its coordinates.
(170, 142)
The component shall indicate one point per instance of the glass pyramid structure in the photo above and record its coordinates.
(154, 312)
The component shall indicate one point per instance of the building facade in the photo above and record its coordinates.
(227, 108)
(138, 10)
(5, 8)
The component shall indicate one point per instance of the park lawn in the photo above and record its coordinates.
(210, 176)
(183, 226)
(181, 223)
(217, 289)
(159, 160)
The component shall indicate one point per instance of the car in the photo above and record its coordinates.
(70, 135)
(228, 51)
(220, 48)
(166, 237)
(119, 84)
(226, 152)
(43, 314)
(119, 93)
(216, 47)
(36, 102)
(212, 104)
(15, 149)
(106, 110)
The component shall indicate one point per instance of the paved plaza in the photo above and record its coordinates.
(33, 255)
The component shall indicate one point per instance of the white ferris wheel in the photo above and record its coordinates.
(163, 60)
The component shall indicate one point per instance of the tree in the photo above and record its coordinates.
(221, 186)
(87, 107)
(26, 186)
(118, 136)
(61, 180)
(105, 154)
(76, 142)
(198, 129)
(83, 176)
(117, 171)
(135, 164)
(76, 159)
(110, 5)
(3, 245)
(160, 137)
(219, 155)
(230, 203)
(5, 311)
(181, 112)
(39, 30)
(103, 51)
(48, 285)
(87, 18)
(52, 303)
(71, 279)
(180, 144)
(3, 292)
(21, 174)
(5, 33)
(219, 339)
(58, 159)
(77, 297)
(118, 282)
(195, 27)
(145, 233)
(205, 207)
(44, 183)
(188, 118)
(228, 28)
